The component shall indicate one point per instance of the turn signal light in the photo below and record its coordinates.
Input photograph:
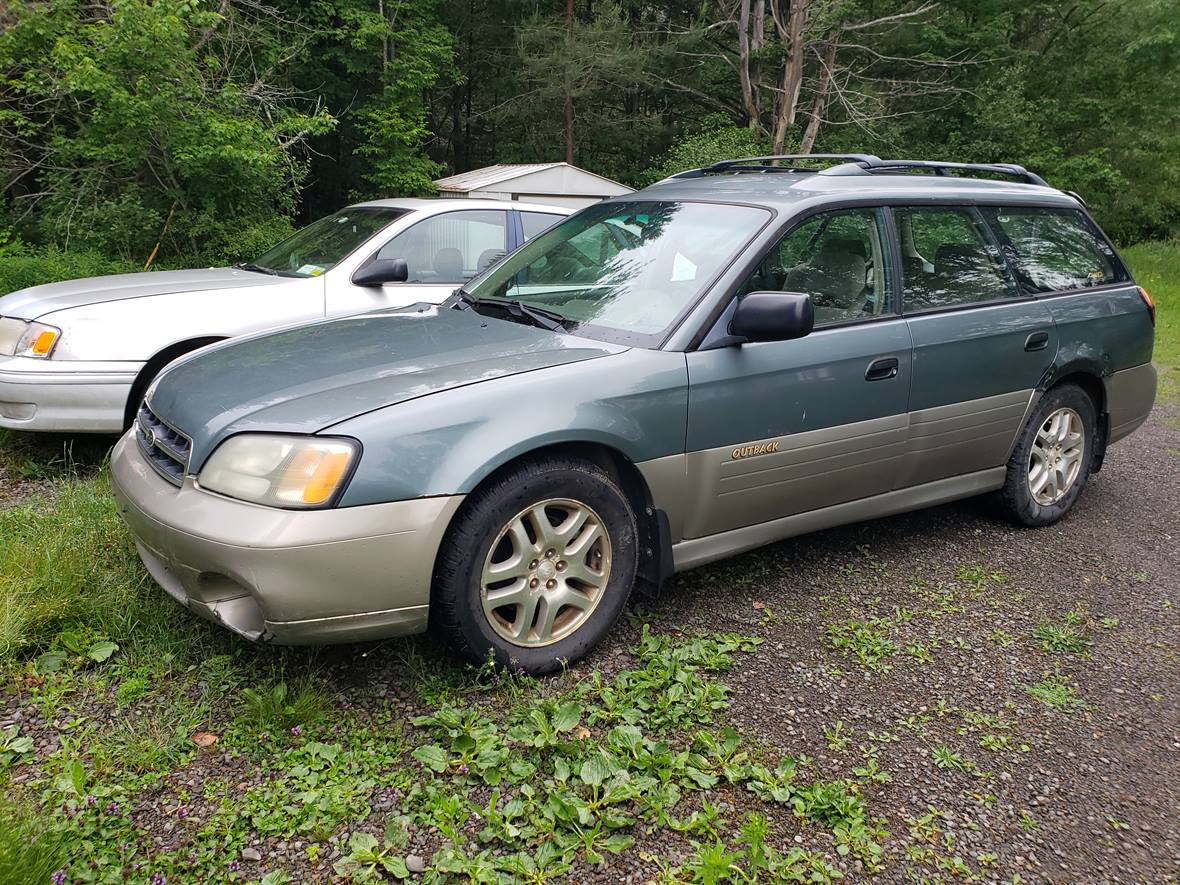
(44, 343)
(1149, 301)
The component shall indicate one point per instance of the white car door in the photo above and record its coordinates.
(442, 251)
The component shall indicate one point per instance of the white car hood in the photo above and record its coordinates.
(37, 301)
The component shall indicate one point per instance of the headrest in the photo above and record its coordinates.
(448, 264)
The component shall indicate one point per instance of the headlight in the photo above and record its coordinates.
(297, 472)
(24, 338)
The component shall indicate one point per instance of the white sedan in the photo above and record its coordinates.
(79, 355)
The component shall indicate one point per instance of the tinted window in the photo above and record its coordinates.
(836, 258)
(321, 244)
(536, 222)
(1056, 249)
(451, 248)
(630, 267)
(949, 257)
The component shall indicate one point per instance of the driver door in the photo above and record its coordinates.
(442, 251)
(781, 427)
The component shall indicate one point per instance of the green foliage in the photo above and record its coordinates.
(718, 139)
(1064, 638)
(1156, 266)
(868, 640)
(150, 123)
(1055, 692)
(276, 709)
(30, 851)
(414, 56)
(69, 565)
(22, 266)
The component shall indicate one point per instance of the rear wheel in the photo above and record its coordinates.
(538, 565)
(1052, 459)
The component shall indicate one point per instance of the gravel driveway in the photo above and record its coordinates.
(1091, 795)
(1004, 699)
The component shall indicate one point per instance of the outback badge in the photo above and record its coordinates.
(751, 451)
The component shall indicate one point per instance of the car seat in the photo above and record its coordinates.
(835, 280)
(448, 265)
(487, 258)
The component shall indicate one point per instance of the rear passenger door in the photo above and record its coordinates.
(980, 346)
(781, 427)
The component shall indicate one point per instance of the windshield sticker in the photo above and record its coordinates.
(310, 270)
(682, 269)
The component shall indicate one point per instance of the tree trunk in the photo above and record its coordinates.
(569, 87)
(820, 105)
(746, 74)
(791, 33)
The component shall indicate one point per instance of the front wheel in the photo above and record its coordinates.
(537, 567)
(1052, 459)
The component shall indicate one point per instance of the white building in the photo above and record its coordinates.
(559, 184)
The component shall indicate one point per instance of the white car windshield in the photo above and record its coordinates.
(630, 267)
(320, 245)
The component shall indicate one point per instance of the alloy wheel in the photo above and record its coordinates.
(546, 572)
(1056, 459)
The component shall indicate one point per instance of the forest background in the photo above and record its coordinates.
(205, 130)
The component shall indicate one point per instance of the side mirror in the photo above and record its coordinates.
(773, 316)
(381, 270)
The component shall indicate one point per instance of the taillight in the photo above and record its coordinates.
(1149, 301)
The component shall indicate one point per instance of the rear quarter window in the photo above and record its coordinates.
(1056, 249)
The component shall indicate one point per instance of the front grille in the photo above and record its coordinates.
(166, 449)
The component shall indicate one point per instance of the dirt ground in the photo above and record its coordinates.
(1096, 795)
(1008, 700)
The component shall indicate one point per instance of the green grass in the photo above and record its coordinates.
(1055, 692)
(68, 565)
(1156, 267)
(30, 851)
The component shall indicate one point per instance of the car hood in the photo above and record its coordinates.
(306, 378)
(37, 301)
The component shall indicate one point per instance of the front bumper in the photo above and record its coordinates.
(290, 577)
(65, 396)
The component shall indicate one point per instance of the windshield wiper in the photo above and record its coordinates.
(257, 268)
(538, 316)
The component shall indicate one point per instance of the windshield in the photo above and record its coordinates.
(320, 245)
(629, 268)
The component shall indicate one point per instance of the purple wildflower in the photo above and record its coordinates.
(182, 812)
(158, 879)
(58, 877)
(113, 808)
(297, 730)
(90, 800)
(234, 866)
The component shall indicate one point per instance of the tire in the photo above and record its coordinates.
(1057, 483)
(561, 590)
(135, 398)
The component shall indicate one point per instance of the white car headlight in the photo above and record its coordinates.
(298, 472)
(25, 338)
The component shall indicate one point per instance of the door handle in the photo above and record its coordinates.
(1036, 341)
(882, 369)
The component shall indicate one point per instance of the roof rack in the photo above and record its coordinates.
(758, 164)
(857, 163)
(939, 167)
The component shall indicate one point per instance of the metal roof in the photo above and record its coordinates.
(501, 172)
(476, 178)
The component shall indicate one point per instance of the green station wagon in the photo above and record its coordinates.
(736, 355)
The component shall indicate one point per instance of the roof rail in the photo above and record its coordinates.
(866, 162)
(758, 164)
(939, 167)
